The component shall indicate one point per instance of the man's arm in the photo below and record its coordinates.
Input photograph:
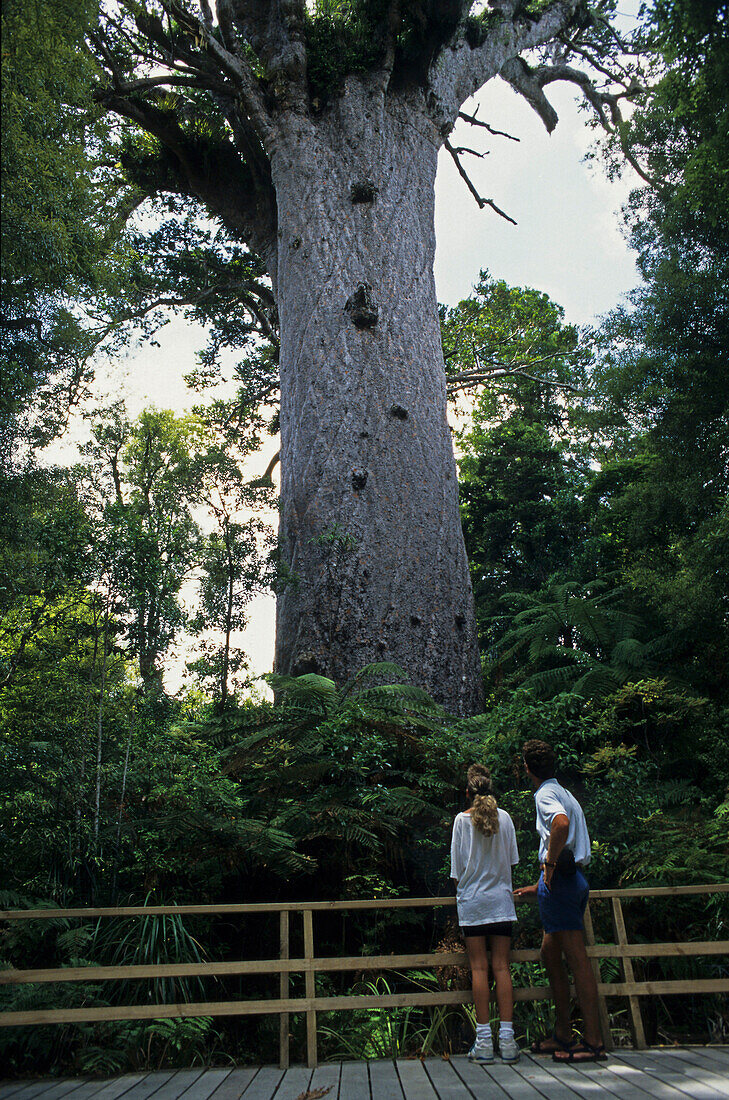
(558, 834)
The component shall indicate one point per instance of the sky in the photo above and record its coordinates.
(567, 243)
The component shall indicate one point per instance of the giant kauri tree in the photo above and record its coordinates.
(312, 132)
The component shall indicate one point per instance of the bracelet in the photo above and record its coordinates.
(548, 864)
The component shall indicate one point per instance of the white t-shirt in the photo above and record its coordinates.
(551, 799)
(482, 866)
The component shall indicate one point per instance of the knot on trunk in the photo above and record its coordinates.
(359, 478)
(399, 412)
(362, 308)
(363, 191)
(307, 663)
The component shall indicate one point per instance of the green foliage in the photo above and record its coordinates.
(574, 638)
(355, 774)
(510, 347)
(60, 198)
(343, 37)
(349, 37)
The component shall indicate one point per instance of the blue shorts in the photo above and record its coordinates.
(562, 907)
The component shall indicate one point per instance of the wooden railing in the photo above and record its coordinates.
(285, 1005)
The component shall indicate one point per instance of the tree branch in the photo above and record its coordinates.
(479, 198)
(468, 379)
(244, 203)
(473, 121)
(462, 68)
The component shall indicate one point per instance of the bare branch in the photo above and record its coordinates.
(478, 122)
(479, 198)
(459, 149)
(606, 105)
(468, 379)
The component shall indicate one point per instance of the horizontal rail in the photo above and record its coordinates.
(330, 1004)
(353, 962)
(233, 908)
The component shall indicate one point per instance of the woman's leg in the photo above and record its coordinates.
(500, 952)
(478, 961)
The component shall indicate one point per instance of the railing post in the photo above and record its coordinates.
(283, 990)
(628, 975)
(602, 1010)
(310, 990)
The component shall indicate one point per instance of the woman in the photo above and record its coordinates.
(483, 851)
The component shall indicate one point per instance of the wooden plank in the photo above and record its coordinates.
(661, 1073)
(354, 1083)
(264, 1084)
(87, 1089)
(444, 1079)
(149, 1084)
(628, 1084)
(30, 1089)
(585, 1085)
(624, 1076)
(327, 1077)
(717, 1055)
(693, 1065)
(82, 1091)
(284, 1023)
(416, 1085)
(119, 1086)
(320, 906)
(602, 1009)
(512, 1084)
(310, 990)
(235, 1084)
(47, 1087)
(179, 1082)
(384, 1081)
(206, 1084)
(532, 1070)
(228, 909)
(628, 975)
(295, 1081)
(7, 1088)
(331, 1004)
(285, 965)
(609, 1084)
(476, 1079)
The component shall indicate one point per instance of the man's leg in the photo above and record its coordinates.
(551, 954)
(573, 945)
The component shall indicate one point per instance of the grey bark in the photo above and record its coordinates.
(370, 531)
(339, 203)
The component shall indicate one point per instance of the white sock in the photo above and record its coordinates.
(506, 1030)
(483, 1031)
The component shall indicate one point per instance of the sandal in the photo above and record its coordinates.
(581, 1052)
(539, 1047)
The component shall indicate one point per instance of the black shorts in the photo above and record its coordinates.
(498, 928)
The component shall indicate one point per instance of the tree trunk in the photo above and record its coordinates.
(374, 565)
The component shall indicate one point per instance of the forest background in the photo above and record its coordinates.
(593, 468)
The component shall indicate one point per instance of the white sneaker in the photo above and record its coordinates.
(482, 1051)
(508, 1050)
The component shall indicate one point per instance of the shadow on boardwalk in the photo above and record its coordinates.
(698, 1073)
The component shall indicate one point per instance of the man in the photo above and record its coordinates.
(561, 893)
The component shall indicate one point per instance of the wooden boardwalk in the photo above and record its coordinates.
(698, 1073)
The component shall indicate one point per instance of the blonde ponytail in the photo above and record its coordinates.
(485, 811)
(485, 814)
